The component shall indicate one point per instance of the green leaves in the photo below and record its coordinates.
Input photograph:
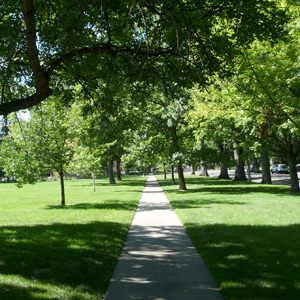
(78, 42)
(36, 146)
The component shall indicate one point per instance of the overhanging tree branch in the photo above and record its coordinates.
(42, 81)
(42, 78)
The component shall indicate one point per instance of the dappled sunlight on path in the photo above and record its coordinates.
(158, 260)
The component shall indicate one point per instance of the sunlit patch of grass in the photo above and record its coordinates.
(225, 244)
(17, 287)
(231, 284)
(248, 235)
(49, 251)
(265, 284)
(240, 256)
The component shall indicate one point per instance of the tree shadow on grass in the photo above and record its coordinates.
(190, 203)
(125, 183)
(110, 204)
(251, 262)
(217, 186)
(48, 258)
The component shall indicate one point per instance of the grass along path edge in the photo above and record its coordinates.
(56, 252)
(248, 234)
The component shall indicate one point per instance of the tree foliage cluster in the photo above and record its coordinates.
(257, 109)
(48, 45)
(153, 82)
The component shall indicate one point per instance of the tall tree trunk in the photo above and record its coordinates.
(94, 180)
(172, 175)
(239, 165)
(94, 183)
(182, 185)
(224, 169)
(248, 171)
(111, 171)
(62, 187)
(118, 160)
(294, 176)
(223, 172)
(203, 168)
(292, 163)
(265, 167)
(203, 171)
(165, 172)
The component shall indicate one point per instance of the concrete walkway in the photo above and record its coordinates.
(158, 260)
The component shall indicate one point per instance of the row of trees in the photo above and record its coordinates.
(171, 83)
(254, 113)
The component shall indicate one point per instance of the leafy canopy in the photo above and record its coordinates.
(49, 46)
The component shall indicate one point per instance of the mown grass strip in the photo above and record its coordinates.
(248, 235)
(48, 251)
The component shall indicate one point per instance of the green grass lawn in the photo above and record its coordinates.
(248, 235)
(52, 252)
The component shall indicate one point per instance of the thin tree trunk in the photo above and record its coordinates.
(165, 172)
(248, 171)
(111, 171)
(62, 187)
(265, 167)
(292, 163)
(172, 175)
(239, 165)
(94, 183)
(119, 178)
(203, 168)
(182, 185)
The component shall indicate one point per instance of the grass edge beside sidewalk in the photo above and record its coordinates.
(52, 252)
(247, 234)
